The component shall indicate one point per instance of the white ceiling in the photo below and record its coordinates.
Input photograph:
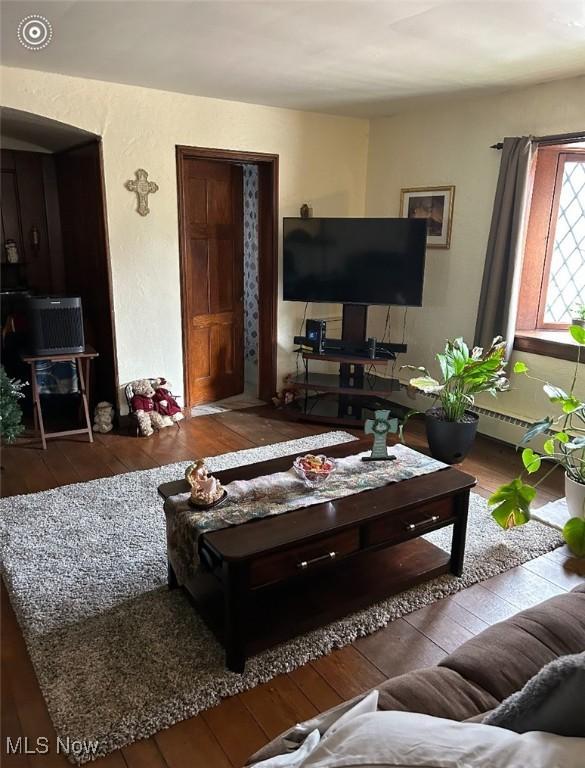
(359, 57)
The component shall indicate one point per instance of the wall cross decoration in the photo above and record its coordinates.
(143, 188)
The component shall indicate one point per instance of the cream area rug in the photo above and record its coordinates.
(119, 656)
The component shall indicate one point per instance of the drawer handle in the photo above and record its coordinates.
(306, 563)
(414, 526)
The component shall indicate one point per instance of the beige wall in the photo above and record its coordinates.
(450, 144)
(322, 161)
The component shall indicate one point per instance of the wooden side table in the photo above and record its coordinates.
(78, 358)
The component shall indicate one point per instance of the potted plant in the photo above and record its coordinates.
(564, 446)
(10, 411)
(578, 315)
(450, 425)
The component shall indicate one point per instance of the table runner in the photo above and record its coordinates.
(281, 492)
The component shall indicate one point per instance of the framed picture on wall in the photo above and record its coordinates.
(435, 204)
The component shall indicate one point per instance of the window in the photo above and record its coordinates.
(566, 276)
(553, 278)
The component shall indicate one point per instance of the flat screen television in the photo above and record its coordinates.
(354, 261)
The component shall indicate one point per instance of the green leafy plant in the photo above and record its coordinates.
(465, 374)
(574, 535)
(10, 411)
(564, 446)
(579, 311)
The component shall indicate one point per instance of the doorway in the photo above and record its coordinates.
(53, 217)
(217, 291)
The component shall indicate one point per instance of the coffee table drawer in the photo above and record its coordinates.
(411, 522)
(303, 557)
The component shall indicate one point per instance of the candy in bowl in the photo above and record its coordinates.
(314, 470)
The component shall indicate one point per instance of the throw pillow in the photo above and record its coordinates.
(552, 701)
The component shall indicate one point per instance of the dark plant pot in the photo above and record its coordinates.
(578, 321)
(450, 441)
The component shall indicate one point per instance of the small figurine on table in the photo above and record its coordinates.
(206, 490)
(379, 427)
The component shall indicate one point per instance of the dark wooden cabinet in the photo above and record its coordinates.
(30, 217)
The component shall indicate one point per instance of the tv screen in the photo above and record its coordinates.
(354, 261)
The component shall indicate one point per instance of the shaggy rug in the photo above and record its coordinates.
(118, 656)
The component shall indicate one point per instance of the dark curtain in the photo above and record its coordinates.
(505, 250)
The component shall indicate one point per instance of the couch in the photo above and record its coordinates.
(482, 672)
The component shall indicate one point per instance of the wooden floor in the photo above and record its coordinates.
(226, 735)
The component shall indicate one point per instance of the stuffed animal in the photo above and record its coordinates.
(103, 416)
(142, 406)
(287, 394)
(164, 402)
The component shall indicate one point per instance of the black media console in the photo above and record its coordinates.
(352, 395)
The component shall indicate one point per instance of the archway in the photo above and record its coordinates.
(53, 211)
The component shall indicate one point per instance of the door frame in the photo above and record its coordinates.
(102, 214)
(267, 257)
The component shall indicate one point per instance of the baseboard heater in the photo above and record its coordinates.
(489, 413)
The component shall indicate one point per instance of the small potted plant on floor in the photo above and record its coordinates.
(450, 425)
(578, 314)
(10, 411)
(564, 446)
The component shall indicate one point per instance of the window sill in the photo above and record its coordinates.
(559, 344)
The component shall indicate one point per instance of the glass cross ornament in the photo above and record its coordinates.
(380, 426)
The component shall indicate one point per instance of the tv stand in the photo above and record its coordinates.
(354, 394)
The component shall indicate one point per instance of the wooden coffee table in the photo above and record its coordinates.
(271, 579)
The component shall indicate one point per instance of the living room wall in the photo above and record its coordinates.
(323, 161)
(449, 143)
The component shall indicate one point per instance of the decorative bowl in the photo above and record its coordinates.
(314, 470)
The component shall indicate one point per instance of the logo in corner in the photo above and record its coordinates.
(34, 32)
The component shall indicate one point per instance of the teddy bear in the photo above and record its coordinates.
(103, 416)
(142, 405)
(287, 394)
(164, 402)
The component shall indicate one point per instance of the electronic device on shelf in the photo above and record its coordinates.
(354, 261)
(55, 325)
(355, 349)
(315, 333)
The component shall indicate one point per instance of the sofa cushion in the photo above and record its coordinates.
(435, 691)
(505, 656)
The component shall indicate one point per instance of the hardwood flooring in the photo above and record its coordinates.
(223, 737)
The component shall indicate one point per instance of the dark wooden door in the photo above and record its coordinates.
(212, 279)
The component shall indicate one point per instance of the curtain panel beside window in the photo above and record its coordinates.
(500, 287)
